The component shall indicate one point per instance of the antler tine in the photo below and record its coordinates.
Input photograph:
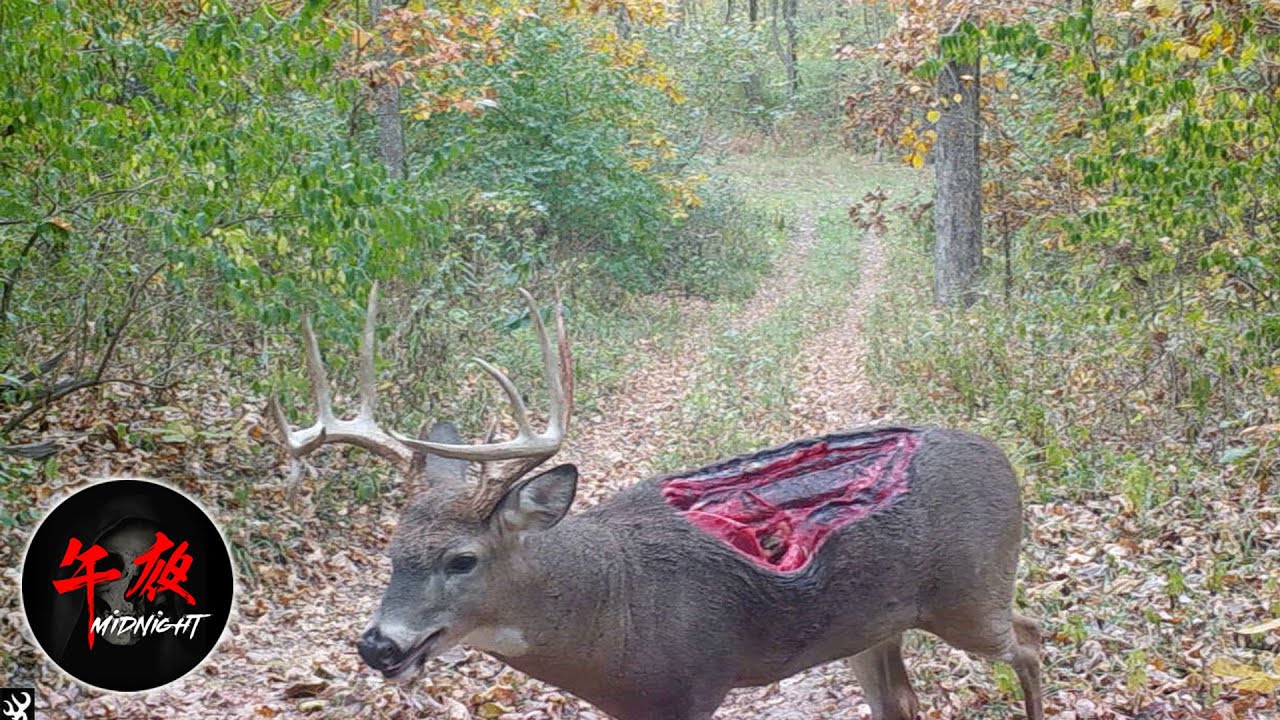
(297, 443)
(302, 442)
(518, 408)
(315, 369)
(530, 447)
(368, 343)
(362, 430)
(566, 365)
(550, 367)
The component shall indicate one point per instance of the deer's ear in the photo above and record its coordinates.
(537, 503)
(435, 469)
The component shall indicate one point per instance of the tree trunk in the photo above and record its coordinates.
(386, 109)
(957, 249)
(790, 8)
(753, 12)
(622, 20)
(786, 55)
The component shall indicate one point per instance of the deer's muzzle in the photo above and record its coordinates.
(384, 654)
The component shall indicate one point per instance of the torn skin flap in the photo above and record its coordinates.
(778, 506)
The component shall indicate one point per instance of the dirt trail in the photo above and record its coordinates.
(290, 653)
(620, 446)
(833, 396)
(834, 393)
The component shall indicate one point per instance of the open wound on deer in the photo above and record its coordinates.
(778, 506)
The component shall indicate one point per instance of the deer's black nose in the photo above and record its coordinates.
(378, 650)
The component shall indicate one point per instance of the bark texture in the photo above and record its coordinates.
(790, 9)
(957, 249)
(386, 110)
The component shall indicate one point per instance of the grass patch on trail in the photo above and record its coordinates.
(746, 387)
(787, 184)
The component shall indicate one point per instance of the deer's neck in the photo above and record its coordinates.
(568, 605)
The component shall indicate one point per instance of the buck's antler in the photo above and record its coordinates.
(362, 430)
(528, 448)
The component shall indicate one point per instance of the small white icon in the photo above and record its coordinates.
(15, 709)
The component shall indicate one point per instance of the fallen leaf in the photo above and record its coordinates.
(1260, 628)
(305, 689)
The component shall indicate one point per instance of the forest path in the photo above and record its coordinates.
(783, 364)
(626, 441)
(832, 394)
(649, 416)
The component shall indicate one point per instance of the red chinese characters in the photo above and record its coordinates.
(159, 574)
(85, 576)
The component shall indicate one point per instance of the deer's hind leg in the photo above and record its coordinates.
(884, 681)
(1026, 663)
(1005, 636)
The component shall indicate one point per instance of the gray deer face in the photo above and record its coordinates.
(455, 572)
(457, 555)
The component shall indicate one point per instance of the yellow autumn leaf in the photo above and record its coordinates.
(1260, 628)
(1263, 432)
(1161, 7)
(917, 160)
(359, 38)
(1187, 51)
(1226, 667)
(1262, 683)
(1246, 677)
(932, 116)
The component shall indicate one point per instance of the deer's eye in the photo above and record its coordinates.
(460, 564)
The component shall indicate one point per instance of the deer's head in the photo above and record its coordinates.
(456, 554)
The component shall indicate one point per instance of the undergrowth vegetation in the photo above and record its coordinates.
(1127, 331)
(183, 184)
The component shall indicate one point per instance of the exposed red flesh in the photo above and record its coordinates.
(779, 506)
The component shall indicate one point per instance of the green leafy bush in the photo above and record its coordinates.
(164, 179)
(1138, 320)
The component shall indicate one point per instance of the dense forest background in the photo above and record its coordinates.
(183, 180)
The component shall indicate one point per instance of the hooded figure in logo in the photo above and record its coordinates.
(126, 527)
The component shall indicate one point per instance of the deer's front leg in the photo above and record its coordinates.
(884, 681)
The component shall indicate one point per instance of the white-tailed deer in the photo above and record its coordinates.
(656, 602)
